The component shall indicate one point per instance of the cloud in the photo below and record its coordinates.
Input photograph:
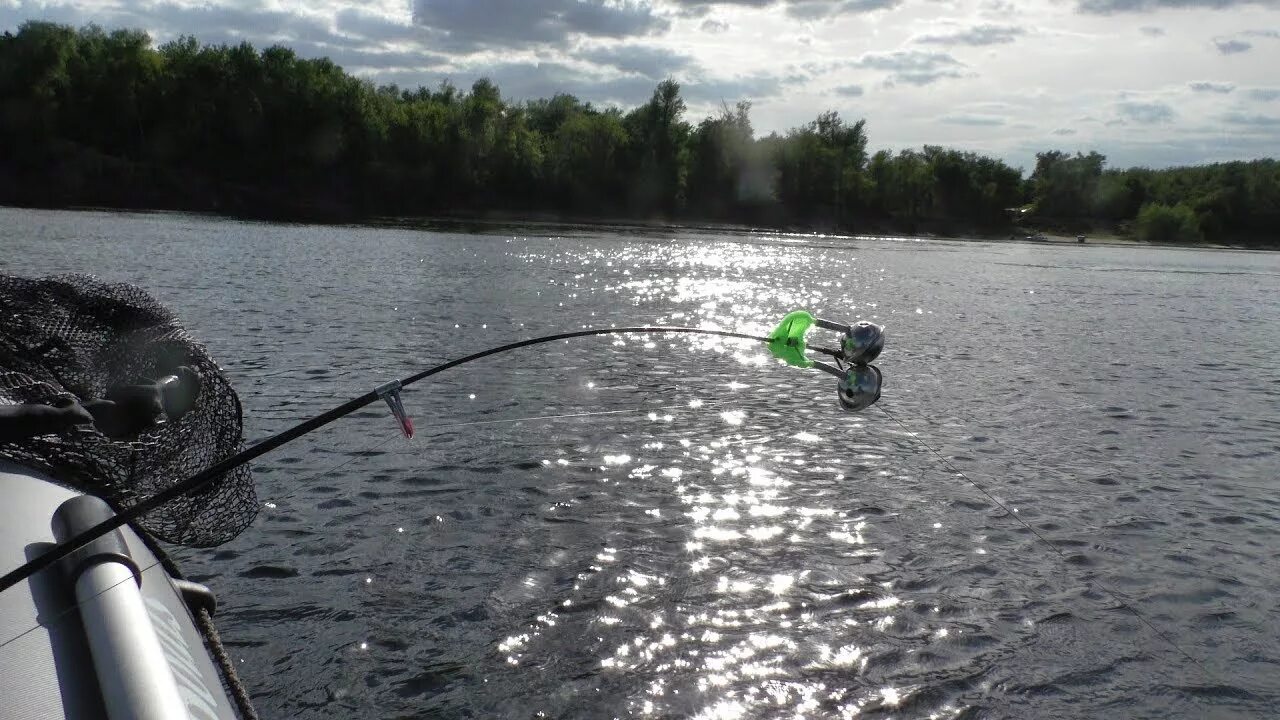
(1232, 47)
(1111, 7)
(977, 35)
(511, 24)
(1151, 31)
(714, 90)
(913, 67)
(12, 16)
(902, 60)
(1264, 94)
(1146, 113)
(800, 9)
(815, 68)
(713, 26)
(522, 81)
(230, 23)
(1000, 8)
(1064, 132)
(819, 9)
(377, 28)
(528, 81)
(1222, 88)
(849, 91)
(700, 8)
(650, 61)
(924, 77)
(973, 120)
(357, 59)
(1255, 121)
(354, 40)
(1148, 150)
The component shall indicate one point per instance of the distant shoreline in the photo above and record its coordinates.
(473, 222)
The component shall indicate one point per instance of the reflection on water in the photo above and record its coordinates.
(654, 526)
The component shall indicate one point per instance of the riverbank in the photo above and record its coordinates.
(1109, 239)
(489, 222)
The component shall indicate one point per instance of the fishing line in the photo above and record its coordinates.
(367, 452)
(559, 417)
(1097, 583)
(73, 608)
(389, 392)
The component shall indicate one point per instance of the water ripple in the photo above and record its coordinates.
(731, 546)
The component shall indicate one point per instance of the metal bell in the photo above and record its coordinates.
(862, 343)
(859, 387)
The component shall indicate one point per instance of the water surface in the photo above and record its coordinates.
(701, 532)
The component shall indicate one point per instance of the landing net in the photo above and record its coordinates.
(76, 337)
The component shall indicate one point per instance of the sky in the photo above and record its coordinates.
(1145, 82)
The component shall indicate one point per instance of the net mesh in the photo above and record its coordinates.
(76, 337)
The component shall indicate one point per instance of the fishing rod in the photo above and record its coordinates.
(858, 387)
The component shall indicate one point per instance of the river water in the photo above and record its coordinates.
(709, 535)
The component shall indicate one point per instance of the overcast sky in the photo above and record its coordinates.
(1150, 82)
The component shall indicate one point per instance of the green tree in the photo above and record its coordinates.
(658, 137)
(1168, 224)
(724, 169)
(1064, 186)
(821, 169)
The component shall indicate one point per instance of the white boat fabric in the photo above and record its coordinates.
(46, 670)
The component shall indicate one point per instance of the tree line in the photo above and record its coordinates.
(1225, 201)
(90, 117)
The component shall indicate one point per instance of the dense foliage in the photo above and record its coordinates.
(103, 118)
(1236, 200)
(1165, 224)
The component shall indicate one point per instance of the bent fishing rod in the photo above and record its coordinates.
(858, 388)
